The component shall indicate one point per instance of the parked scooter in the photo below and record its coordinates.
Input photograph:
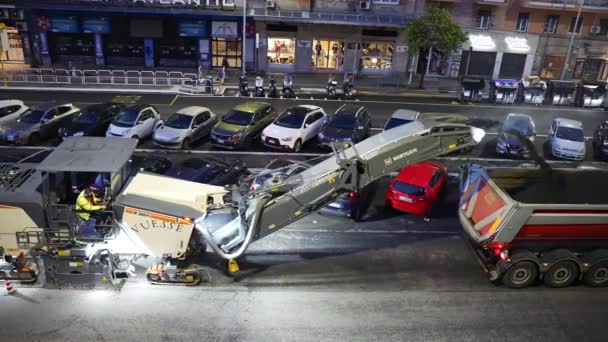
(332, 87)
(272, 89)
(287, 86)
(244, 86)
(259, 86)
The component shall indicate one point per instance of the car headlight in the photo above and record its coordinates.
(321, 135)
(287, 139)
(605, 143)
(501, 144)
(177, 138)
(236, 136)
(263, 136)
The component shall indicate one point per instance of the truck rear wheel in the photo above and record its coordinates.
(561, 274)
(597, 275)
(520, 275)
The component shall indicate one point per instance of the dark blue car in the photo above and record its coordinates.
(209, 171)
(350, 124)
(91, 121)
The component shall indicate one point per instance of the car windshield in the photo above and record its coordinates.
(236, 117)
(179, 121)
(86, 117)
(292, 118)
(520, 124)
(394, 122)
(570, 133)
(409, 189)
(32, 116)
(343, 122)
(126, 118)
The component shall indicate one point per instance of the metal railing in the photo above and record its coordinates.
(110, 77)
(349, 18)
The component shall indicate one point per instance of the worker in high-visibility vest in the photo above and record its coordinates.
(87, 202)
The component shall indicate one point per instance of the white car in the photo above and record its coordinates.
(566, 139)
(136, 122)
(11, 109)
(401, 117)
(295, 126)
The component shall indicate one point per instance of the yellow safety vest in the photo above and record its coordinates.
(84, 207)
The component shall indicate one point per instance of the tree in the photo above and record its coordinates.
(435, 30)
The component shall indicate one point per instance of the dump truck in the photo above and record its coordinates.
(538, 224)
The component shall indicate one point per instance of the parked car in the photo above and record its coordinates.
(37, 123)
(401, 117)
(600, 141)
(273, 174)
(209, 171)
(417, 188)
(152, 164)
(242, 125)
(507, 143)
(11, 109)
(294, 127)
(91, 121)
(350, 124)
(566, 139)
(135, 122)
(187, 125)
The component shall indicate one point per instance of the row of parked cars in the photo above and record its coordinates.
(238, 129)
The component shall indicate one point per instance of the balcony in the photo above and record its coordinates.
(339, 18)
(568, 5)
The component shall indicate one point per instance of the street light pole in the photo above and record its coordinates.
(574, 29)
(244, 34)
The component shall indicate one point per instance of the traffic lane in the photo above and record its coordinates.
(84, 98)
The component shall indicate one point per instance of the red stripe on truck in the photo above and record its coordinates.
(563, 231)
(569, 211)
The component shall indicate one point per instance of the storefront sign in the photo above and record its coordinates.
(192, 29)
(304, 43)
(96, 25)
(517, 44)
(64, 24)
(98, 45)
(44, 23)
(482, 42)
(224, 29)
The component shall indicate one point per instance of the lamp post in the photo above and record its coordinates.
(244, 34)
(574, 29)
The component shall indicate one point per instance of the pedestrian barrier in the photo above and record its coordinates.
(118, 77)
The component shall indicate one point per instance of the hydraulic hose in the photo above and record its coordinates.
(249, 235)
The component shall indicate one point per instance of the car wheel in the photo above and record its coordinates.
(297, 147)
(34, 139)
(186, 144)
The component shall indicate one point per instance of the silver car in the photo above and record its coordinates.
(401, 117)
(567, 139)
(184, 127)
(36, 124)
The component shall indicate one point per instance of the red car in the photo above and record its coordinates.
(417, 187)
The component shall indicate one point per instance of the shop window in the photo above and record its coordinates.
(377, 55)
(578, 25)
(67, 44)
(439, 63)
(281, 50)
(604, 74)
(603, 27)
(226, 48)
(551, 22)
(552, 67)
(327, 54)
(483, 19)
(522, 22)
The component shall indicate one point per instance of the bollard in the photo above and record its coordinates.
(9, 287)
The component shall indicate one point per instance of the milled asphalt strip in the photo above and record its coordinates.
(372, 231)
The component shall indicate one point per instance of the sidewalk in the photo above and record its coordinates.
(314, 82)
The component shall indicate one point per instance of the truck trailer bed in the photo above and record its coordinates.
(557, 186)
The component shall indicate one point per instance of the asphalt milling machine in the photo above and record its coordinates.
(171, 221)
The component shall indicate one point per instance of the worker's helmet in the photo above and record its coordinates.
(96, 189)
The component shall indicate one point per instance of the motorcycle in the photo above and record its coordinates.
(17, 269)
(259, 87)
(287, 87)
(332, 88)
(244, 86)
(348, 89)
(272, 89)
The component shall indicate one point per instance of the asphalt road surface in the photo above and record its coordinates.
(392, 277)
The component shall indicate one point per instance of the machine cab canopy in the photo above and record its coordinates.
(564, 86)
(80, 161)
(473, 83)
